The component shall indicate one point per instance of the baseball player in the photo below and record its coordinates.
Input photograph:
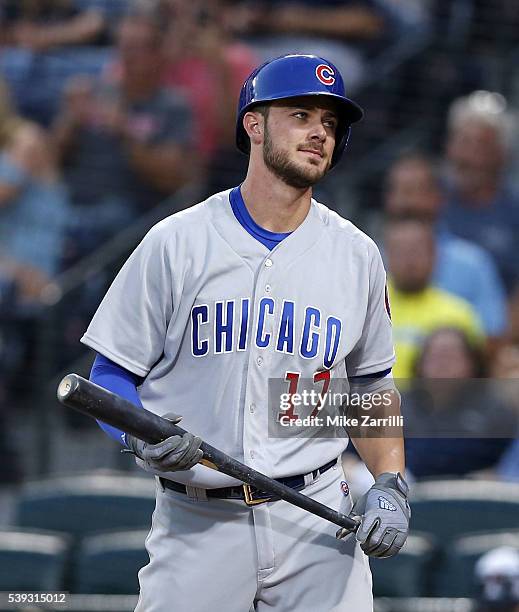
(258, 282)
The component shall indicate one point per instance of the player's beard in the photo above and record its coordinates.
(278, 162)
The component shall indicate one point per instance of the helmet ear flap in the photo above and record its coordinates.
(341, 144)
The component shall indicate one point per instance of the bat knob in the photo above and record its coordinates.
(67, 386)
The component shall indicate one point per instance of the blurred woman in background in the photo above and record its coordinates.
(454, 422)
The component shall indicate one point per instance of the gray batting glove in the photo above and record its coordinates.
(172, 454)
(385, 513)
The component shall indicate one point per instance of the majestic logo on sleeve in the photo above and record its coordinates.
(224, 327)
(325, 74)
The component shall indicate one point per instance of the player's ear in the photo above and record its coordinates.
(253, 125)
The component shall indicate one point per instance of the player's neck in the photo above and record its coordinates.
(274, 205)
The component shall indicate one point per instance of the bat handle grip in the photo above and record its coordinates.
(345, 531)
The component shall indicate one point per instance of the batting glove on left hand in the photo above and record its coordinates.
(385, 514)
(172, 454)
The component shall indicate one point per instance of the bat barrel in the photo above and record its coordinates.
(83, 395)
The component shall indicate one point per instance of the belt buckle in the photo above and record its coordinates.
(248, 498)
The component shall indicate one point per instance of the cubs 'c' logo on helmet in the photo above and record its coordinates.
(325, 74)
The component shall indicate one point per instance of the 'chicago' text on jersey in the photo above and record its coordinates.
(224, 327)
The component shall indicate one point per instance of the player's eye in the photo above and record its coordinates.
(301, 114)
(330, 123)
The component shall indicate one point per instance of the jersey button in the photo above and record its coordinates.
(268, 263)
(259, 361)
(268, 288)
(251, 453)
(252, 408)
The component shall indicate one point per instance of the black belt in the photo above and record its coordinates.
(252, 495)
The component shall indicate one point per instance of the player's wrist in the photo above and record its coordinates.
(393, 480)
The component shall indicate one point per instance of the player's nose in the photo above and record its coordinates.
(318, 131)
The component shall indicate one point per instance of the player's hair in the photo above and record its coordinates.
(262, 109)
(487, 107)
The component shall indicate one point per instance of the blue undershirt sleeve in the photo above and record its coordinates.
(116, 379)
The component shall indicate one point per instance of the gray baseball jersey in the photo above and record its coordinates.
(207, 314)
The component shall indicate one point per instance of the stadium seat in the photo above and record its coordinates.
(81, 505)
(32, 561)
(450, 508)
(407, 574)
(456, 576)
(108, 563)
(425, 604)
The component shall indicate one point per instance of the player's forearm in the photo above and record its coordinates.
(381, 447)
(115, 378)
(381, 454)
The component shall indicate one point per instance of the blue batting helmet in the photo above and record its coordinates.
(291, 76)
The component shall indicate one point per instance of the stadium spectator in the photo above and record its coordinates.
(505, 367)
(209, 66)
(418, 308)
(40, 25)
(124, 144)
(505, 371)
(454, 424)
(481, 206)
(343, 31)
(33, 206)
(413, 189)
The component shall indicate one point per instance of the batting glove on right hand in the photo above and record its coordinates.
(172, 454)
(385, 514)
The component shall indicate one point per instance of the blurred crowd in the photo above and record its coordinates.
(109, 107)
(449, 232)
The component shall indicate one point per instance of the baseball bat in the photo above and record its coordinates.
(76, 392)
